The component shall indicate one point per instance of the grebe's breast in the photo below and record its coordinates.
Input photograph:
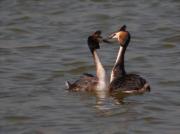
(130, 83)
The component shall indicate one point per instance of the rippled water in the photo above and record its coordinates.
(43, 43)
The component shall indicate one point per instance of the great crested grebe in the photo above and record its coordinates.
(120, 80)
(88, 82)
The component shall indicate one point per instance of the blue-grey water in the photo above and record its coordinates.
(43, 43)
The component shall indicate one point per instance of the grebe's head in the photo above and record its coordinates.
(93, 40)
(97, 34)
(122, 36)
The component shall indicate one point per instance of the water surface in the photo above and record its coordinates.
(43, 43)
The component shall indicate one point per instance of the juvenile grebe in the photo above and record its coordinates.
(88, 82)
(120, 80)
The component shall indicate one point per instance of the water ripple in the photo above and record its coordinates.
(43, 43)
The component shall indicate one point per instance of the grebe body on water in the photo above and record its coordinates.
(88, 82)
(120, 80)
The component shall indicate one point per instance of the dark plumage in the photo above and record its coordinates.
(87, 82)
(129, 83)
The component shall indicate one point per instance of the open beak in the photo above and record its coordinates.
(114, 35)
(111, 36)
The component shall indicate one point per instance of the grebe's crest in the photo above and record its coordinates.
(123, 28)
(98, 32)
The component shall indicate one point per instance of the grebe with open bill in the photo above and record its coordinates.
(120, 80)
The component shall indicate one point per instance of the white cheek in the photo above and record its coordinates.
(116, 36)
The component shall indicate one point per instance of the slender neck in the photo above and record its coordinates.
(118, 69)
(120, 60)
(100, 72)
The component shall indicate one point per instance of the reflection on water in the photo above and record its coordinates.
(43, 43)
